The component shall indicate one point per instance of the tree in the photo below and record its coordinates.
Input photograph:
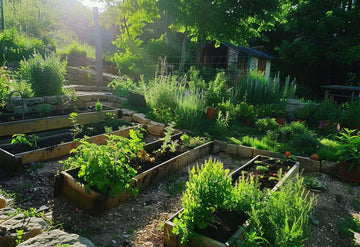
(323, 41)
(222, 20)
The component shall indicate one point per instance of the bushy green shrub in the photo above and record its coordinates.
(189, 111)
(328, 110)
(305, 144)
(216, 91)
(351, 115)
(266, 124)
(46, 75)
(283, 217)
(289, 131)
(328, 149)
(122, 86)
(256, 89)
(14, 47)
(4, 86)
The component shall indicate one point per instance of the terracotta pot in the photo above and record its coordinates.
(281, 121)
(344, 173)
(210, 112)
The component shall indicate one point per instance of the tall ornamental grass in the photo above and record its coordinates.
(256, 89)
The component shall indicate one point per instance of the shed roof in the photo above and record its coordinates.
(248, 51)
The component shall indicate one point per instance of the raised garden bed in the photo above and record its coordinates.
(54, 122)
(15, 161)
(204, 237)
(211, 237)
(95, 203)
(269, 171)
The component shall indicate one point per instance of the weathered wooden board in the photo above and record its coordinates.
(172, 240)
(294, 170)
(9, 161)
(49, 123)
(95, 203)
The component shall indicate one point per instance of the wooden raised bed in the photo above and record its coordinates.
(56, 122)
(96, 203)
(16, 161)
(290, 174)
(172, 240)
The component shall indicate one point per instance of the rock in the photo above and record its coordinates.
(35, 101)
(231, 149)
(222, 145)
(128, 112)
(245, 151)
(55, 238)
(2, 202)
(216, 148)
(52, 100)
(155, 128)
(31, 227)
(140, 118)
(5, 213)
(329, 167)
(84, 97)
(308, 164)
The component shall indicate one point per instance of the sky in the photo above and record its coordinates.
(92, 4)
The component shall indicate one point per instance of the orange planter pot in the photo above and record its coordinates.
(210, 112)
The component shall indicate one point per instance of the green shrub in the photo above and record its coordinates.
(256, 89)
(266, 124)
(328, 150)
(4, 86)
(106, 167)
(282, 219)
(122, 86)
(351, 115)
(14, 47)
(305, 144)
(289, 131)
(328, 110)
(216, 91)
(189, 111)
(46, 75)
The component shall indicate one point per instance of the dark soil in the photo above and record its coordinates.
(226, 224)
(7, 117)
(267, 170)
(139, 221)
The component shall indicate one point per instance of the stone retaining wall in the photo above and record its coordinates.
(79, 76)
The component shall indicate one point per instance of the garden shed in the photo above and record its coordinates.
(243, 58)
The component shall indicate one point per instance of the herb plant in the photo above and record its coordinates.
(98, 106)
(349, 149)
(22, 139)
(107, 168)
(77, 129)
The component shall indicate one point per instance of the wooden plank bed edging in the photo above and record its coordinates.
(56, 122)
(95, 203)
(10, 160)
(172, 240)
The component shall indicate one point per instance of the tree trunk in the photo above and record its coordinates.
(183, 53)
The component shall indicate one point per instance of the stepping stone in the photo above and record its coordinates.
(31, 227)
(57, 238)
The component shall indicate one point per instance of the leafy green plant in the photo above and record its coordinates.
(349, 148)
(351, 115)
(207, 189)
(282, 218)
(216, 91)
(348, 226)
(43, 109)
(98, 106)
(76, 129)
(22, 139)
(167, 143)
(107, 168)
(328, 149)
(189, 141)
(46, 75)
(4, 86)
(19, 236)
(305, 144)
(122, 86)
(266, 124)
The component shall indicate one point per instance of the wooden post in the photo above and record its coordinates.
(99, 62)
(2, 15)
